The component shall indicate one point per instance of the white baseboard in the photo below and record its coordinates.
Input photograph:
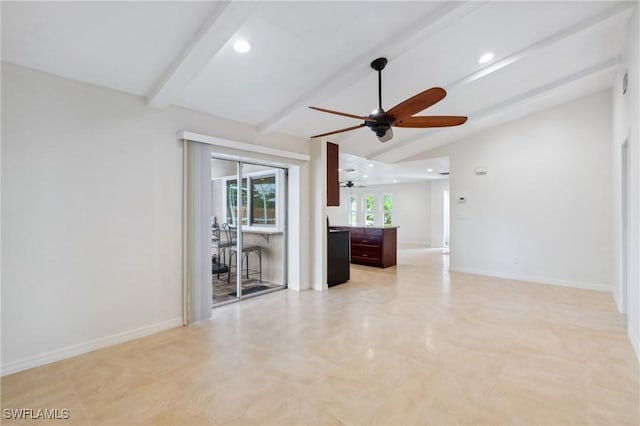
(635, 342)
(91, 345)
(538, 280)
(616, 298)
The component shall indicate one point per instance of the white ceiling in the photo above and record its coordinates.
(365, 172)
(318, 53)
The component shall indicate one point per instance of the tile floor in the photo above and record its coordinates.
(411, 344)
(225, 292)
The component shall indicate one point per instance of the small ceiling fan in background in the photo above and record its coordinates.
(401, 115)
(350, 184)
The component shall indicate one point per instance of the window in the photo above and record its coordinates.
(263, 200)
(387, 209)
(232, 201)
(369, 210)
(352, 210)
(262, 204)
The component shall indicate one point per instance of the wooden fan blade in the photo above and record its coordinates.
(344, 114)
(431, 121)
(338, 131)
(417, 103)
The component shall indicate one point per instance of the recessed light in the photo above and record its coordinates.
(365, 176)
(429, 170)
(339, 170)
(395, 181)
(241, 46)
(486, 58)
(370, 165)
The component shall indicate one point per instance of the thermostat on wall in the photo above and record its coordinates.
(481, 171)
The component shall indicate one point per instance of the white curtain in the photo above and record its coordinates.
(197, 277)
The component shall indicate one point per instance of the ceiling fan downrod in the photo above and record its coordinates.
(382, 124)
(378, 65)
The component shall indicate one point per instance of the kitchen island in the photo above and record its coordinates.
(372, 246)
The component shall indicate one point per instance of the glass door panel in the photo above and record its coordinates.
(224, 193)
(248, 230)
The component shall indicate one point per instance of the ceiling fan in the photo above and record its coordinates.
(350, 184)
(401, 115)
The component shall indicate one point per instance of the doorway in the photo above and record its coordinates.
(248, 229)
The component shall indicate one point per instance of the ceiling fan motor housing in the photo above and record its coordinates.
(381, 124)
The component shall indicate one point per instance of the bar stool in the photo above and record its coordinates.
(220, 244)
(233, 251)
(246, 251)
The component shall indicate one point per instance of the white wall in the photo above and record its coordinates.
(626, 124)
(338, 215)
(437, 211)
(92, 214)
(546, 199)
(317, 219)
(411, 209)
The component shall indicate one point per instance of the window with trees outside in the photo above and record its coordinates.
(260, 200)
(369, 210)
(387, 207)
(263, 200)
(232, 201)
(352, 210)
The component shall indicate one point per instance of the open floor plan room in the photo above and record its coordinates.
(320, 212)
(411, 344)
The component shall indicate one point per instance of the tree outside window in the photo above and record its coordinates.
(263, 200)
(387, 207)
(370, 210)
(259, 201)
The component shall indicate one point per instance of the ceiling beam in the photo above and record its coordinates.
(210, 39)
(620, 11)
(421, 29)
(407, 149)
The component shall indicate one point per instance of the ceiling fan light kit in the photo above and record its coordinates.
(401, 115)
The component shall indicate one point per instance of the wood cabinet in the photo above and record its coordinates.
(372, 246)
(333, 181)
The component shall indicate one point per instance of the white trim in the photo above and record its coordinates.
(537, 280)
(91, 345)
(616, 299)
(635, 342)
(226, 143)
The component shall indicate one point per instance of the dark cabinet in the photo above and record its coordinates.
(338, 269)
(333, 181)
(373, 246)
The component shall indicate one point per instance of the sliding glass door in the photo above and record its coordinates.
(248, 229)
